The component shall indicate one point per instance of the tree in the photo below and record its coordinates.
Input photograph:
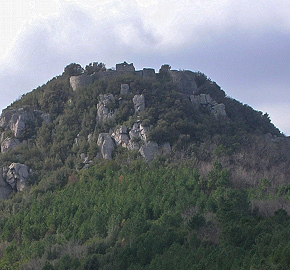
(94, 67)
(73, 69)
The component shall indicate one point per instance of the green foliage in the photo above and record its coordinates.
(94, 67)
(73, 69)
(182, 211)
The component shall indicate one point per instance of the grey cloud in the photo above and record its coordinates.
(247, 64)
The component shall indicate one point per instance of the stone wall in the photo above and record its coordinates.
(79, 81)
(125, 67)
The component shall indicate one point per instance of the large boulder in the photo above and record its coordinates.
(16, 175)
(149, 150)
(219, 110)
(139, 103)
(103, 112)
(106, 144)
(9, 143)
(121, 136)
(138, 132)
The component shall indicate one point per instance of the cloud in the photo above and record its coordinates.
(243, 46)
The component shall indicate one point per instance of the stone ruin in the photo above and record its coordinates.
(123, 68)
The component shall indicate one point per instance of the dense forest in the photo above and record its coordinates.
(141, 172)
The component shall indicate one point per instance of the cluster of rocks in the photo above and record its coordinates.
(13, 177)
(103, 111)
(132, 139)
(204, 100)
(106, 102)
(15, 120)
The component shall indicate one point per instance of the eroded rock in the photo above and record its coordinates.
(149, 150)
(103, 112)
(139, 103)
(15, 120)
(106, 144)
(138, 132)
(16, 175)
(121, 136)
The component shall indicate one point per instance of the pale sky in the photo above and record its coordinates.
(243, 45)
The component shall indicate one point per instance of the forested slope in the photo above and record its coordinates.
(127, 171)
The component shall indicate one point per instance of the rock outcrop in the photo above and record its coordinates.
(85, 160)
(103, 111)
(16, 175)
(121, 136)
(9, 143)
(77, 82)
(149, 150)
(136, 139)
(139, 103)
(138, 132)
(218, 110)
(17, 119)
(106, 144)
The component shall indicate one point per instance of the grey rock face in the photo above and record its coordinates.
(139, 103)
(103, 111)
(9, 143)
(124, 89)
(15, 120)
(149, 150)
(79, 81)
(90, 138)
(218, 110)
(106, 144)
(121, 136)
(138, 132)
(16, 175)
(202, 99)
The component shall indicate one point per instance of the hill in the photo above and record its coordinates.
(133, 169)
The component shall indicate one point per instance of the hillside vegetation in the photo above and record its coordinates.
(106, 169)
